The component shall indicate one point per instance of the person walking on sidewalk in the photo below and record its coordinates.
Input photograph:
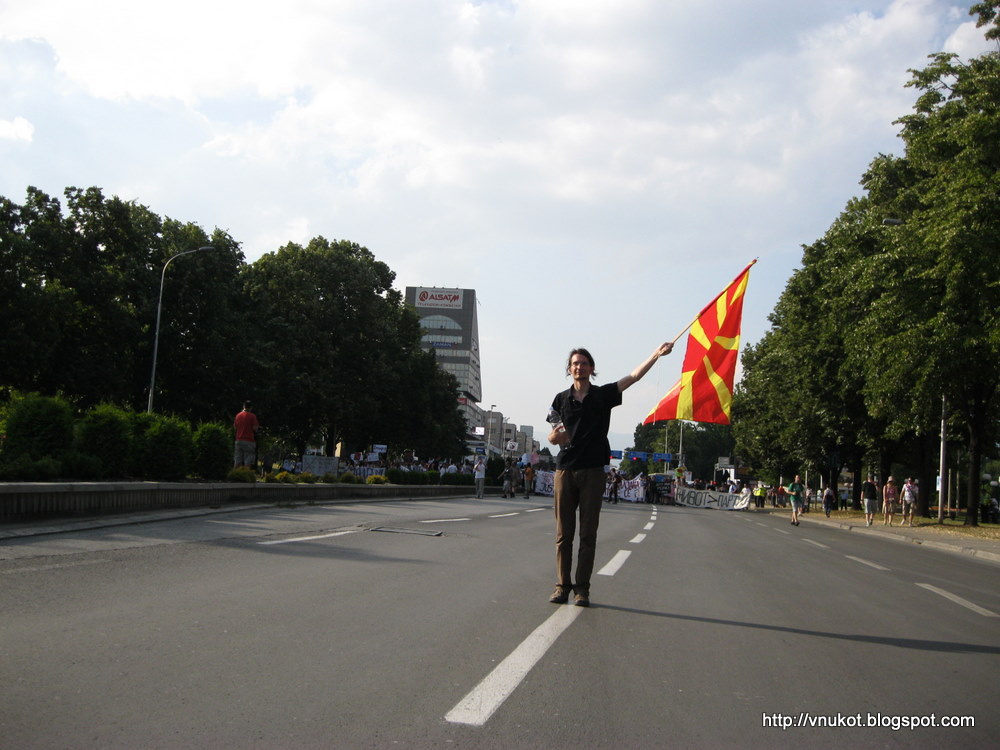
(581, 418)
(909, 497)
(869, 497)
(829, 500)
(888, 501)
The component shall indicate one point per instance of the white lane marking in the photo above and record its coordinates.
(535, 510)
(816, 543)
(446, 520)
(648, 526)
(615, 563)
(310, 538)
(782, 531)
(485, 698)
(866, 562)
(959, 600)
(637, 538)
(504, 515)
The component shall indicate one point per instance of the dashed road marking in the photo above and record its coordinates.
(867, 562)
(959, 600)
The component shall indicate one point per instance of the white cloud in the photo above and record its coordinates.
(18, 129)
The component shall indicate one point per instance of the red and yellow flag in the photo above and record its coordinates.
(705, 391)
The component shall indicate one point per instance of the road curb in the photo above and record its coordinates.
(954, 548)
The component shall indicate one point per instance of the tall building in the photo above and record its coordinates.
(451, 330)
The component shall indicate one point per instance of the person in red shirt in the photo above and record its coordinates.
(246, 426)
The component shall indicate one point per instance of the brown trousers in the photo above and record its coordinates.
(577, 490)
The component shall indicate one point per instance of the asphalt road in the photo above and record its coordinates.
(312, 628)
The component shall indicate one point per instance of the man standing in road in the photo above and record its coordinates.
(582, 418)
(246, 426)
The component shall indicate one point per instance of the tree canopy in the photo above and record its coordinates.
(315, 335)
(897, 306)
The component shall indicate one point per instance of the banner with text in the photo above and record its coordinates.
(632, 490)
(709, 499)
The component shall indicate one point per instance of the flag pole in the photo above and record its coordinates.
(695, 320)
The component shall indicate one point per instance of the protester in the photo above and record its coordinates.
(614, 482)
(582, 420)
(479, 476)
(528, 478)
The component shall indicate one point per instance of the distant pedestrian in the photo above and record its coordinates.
(888, 501)
(246, 426)
(528, 477)
(829, 500)
(869, 497)
(794, 491)
(909, 496)
(614, 482)
(507, 476)
(479, 476)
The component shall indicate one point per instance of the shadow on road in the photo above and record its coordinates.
(909, 643)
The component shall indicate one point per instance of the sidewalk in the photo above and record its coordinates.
(931, 536)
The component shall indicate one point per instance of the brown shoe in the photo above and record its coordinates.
(560, 595)
(581, 598)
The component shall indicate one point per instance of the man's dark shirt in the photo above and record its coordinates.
(587, 423)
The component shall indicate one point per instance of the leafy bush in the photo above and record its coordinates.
(349, 478)
(105, 433)
(396, 476)
(433, 477)
(213, 452)
(270, 477)
(306, 477)
(38, 425)
(78, 465)
(141, 454)
(377, 479)
(285, 477)
(168, 449)
(242, 474)
(329, 478)
(22, 468)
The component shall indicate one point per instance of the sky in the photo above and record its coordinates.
(597, 170)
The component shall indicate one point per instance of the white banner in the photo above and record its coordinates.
(708, 499)
(633, 490)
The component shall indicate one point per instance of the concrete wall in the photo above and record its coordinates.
(26, 501)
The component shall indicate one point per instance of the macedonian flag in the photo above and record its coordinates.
(705, 390)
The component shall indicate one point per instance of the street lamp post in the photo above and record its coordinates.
(156, 335)
(943, 465)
